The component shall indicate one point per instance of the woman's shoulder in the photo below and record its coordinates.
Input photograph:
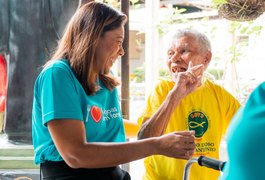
(261, 86)
(258, 94)
(56, 68)
(58, 63)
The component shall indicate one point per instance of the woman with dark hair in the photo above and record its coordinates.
(77, 126)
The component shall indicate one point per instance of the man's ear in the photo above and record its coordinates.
(208, 58)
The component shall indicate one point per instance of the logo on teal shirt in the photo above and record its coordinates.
(96, 113)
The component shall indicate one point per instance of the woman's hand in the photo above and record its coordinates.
(179, 145)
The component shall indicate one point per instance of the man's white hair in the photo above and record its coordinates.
(201, 39)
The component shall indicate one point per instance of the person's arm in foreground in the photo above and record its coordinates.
(78, 153)
(185, 83)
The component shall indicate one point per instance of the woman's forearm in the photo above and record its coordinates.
(99, 155)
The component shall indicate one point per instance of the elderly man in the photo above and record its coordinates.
(207, 110)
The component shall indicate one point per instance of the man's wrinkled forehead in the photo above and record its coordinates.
(179, 43)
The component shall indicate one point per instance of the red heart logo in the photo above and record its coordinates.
(96, 113)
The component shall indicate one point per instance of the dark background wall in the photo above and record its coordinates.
(29, 30)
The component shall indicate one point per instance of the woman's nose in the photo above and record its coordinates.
(121, 51)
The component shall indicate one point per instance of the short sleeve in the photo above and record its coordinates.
(58, 95)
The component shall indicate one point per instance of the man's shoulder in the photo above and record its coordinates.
(214, 85)
(219, 90)
(164, 83)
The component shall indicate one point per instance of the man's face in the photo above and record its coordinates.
(184, 50)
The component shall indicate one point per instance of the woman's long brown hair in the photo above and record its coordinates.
(80, 40)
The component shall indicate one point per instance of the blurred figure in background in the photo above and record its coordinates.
(245, 140)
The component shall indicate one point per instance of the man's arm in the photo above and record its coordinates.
(156, 125)
(185, 83)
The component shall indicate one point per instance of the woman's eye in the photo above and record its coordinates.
(120, 43)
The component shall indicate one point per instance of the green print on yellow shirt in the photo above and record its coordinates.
(198, 122)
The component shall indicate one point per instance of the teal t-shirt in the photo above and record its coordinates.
(246, 140)
(59, 95)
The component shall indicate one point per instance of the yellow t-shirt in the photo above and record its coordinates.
(208, 111)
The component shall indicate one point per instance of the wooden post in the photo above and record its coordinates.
(125, 71)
